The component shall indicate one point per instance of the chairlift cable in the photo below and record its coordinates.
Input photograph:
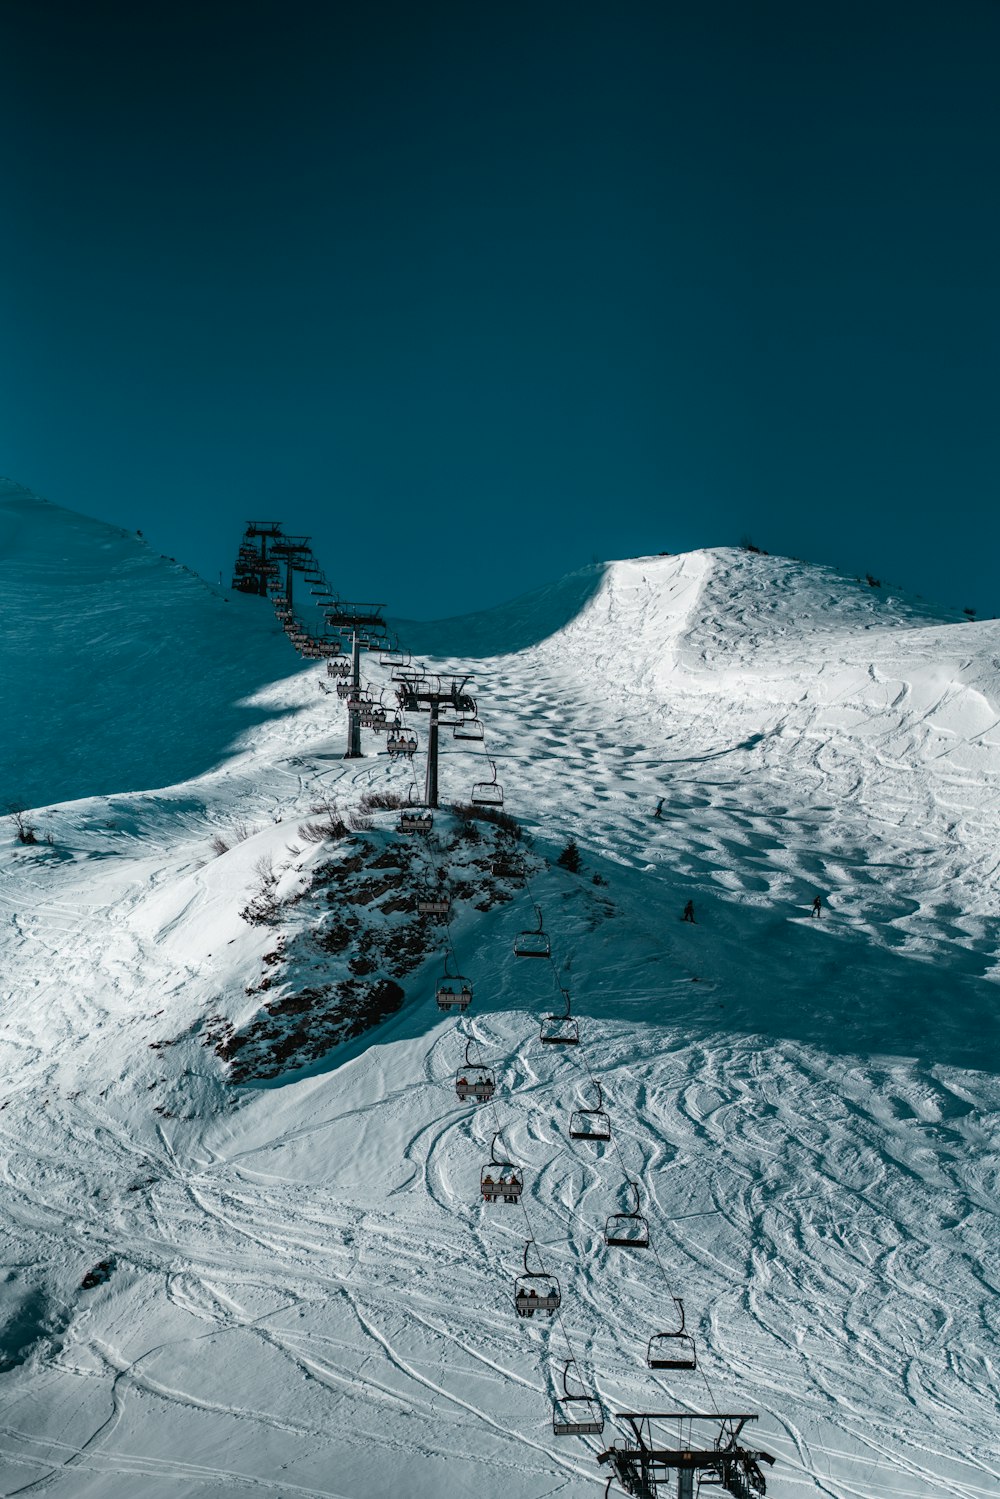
(580, 1060)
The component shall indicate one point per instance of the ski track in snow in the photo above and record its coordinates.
(308, 1295)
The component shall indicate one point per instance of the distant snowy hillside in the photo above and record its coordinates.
(120, 669)
(290, 1285)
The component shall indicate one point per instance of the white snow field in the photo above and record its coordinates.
(303, 1292)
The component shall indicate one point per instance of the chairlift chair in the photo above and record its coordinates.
(507, 1185)
(533, 943)
(473, 1080)
(338, 668)
(560, 1030)
(434, 902)
(672, 1350)
(453, 991)
(535, 1290)
(468, 728)
(400, 743)
(627, 1230)
(344, 689)
(487, 793)
(575, 1415)
(591, 1124)
(412, 820)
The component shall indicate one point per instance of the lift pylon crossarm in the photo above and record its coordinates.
(641, 1464)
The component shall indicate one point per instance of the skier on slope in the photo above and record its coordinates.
(817, 905)
(689, 913)
(659, 808)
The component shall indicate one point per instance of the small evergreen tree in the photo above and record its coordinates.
(570, 857)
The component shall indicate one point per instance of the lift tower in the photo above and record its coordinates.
(254, 568)
(428, 695)
(365, 627)
(644, 1466)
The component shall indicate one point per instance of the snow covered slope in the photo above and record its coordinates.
(298, 1289)
(120, 670)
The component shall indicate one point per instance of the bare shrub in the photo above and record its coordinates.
(329, 823)
(382, 801)
(360, 823)
(466, 812)
(24, 831)
(263, 905)
(219, 845)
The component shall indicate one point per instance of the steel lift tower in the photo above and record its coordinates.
(365, 627)
(253, 566)
(428, 695)
(644, 1466)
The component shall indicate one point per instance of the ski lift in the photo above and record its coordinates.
(672, 1350)
(406, 672)
(627, 1230)
(379, 719)
(344, 689)
(535, 1290)
(339, 668)
(575, 1415)
(560, 1030)
(468, 728)
(399, 742)
(472, 1080)
(453, 991)
(591, 1124)
(487, 793)
(393, 655)
(507, 1185)
(533, 944)
(415, 820)
(434, 902)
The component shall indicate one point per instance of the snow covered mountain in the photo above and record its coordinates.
(289, 1284)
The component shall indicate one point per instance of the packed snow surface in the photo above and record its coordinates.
(295, 1287)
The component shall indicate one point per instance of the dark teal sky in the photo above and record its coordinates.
(476, 293)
